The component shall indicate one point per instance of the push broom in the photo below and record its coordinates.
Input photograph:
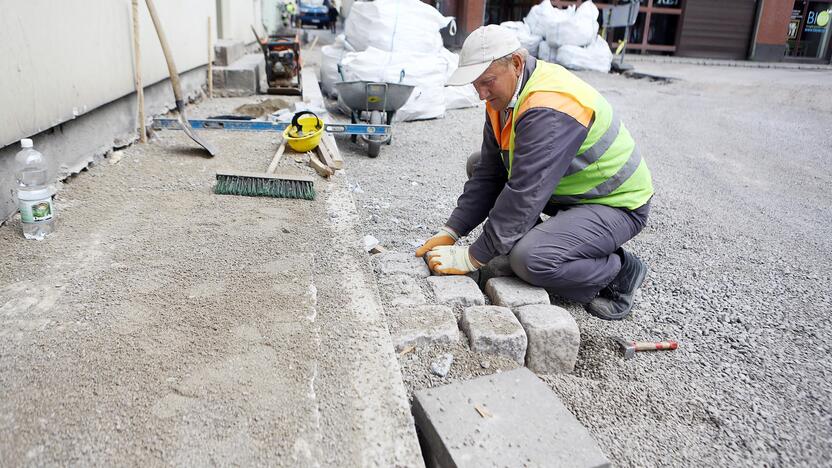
(268, 184)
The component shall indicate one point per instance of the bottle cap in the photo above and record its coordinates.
(26, 143)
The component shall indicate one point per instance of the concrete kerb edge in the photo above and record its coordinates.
(705, 62)
(339, 193)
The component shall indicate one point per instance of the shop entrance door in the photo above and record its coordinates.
(810, 30)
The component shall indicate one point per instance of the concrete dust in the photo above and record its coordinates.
(263, 108)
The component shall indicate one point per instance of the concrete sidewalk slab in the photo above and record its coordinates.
(507, 419)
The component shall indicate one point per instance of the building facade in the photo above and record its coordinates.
(764, 30)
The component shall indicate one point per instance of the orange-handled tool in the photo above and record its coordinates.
(629, 348)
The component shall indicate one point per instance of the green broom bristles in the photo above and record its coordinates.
(270, 186)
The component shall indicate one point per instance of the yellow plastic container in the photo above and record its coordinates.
(305, 132)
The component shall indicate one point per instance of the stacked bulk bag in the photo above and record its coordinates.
(427, 72)
(396, 26)
(527, 40)
(570, 36)
(579, 29)
(596, 56)
(389, 37)
(331, 56)
(544, 16)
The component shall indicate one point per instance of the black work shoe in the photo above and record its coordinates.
(615, 301)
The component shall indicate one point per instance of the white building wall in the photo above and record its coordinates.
(69, 63)
(237, 17)
(60, 60)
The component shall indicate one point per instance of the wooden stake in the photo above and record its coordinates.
(137, 72)
(210, 61)
(276, 159)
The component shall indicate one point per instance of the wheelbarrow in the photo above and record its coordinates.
(379, 100)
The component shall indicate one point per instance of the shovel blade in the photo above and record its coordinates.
(186, 126)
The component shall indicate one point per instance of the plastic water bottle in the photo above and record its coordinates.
(34, 194)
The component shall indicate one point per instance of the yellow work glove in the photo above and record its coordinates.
(452, 260)
(445, 236)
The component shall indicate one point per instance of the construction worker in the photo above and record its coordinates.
(292, 9)
(553, 145)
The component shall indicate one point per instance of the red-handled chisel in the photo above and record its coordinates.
(629, 348)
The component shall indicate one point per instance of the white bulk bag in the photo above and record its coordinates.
(597, 56)
(331, 56)
(579, 30)
(544, 16)
(461, 97)
(427, 72)
(458, 97)
(527, 40)
(546, 53)
(396, 25)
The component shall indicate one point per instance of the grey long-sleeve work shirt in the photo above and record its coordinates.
(546, 141)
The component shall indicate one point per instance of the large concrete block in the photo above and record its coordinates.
(506, 419)
(228, 51)
(514, 292)
(456, 290)
(400, 263)
(553, 337)
(244, 75)
(494, 330)
(401, 290)
(423, 326)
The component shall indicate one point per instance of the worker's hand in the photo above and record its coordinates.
(452, 260)
(445, 236)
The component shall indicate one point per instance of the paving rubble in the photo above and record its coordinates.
(739, 270)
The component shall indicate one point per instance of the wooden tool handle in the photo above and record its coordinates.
(276, 159)
(163, 41)
(657, 346)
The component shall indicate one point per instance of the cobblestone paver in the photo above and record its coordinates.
(494, 330)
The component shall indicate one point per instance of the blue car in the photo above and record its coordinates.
(314, 15)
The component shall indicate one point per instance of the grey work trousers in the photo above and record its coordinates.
(572, 254)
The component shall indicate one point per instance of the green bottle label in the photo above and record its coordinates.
(34, 211)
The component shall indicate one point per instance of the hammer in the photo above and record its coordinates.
(630, 347)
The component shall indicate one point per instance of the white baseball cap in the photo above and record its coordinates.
(483, 46)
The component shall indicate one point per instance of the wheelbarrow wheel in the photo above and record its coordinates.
(374, 146)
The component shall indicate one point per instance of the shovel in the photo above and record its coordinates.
(174, 81)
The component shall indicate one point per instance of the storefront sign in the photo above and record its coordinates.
(816, 21)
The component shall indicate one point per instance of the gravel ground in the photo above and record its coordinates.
(739, 265)
(164, 325)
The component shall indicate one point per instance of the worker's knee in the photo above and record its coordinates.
(534, 265)
(472, 161)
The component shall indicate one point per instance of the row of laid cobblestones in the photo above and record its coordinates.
(521, 324)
